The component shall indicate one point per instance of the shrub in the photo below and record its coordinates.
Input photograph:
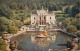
(12, 29)
(71, 29)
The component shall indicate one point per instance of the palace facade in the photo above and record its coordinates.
(42, 17)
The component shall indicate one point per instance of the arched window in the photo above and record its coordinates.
(34, 18)
(50, 17)
(44, 18)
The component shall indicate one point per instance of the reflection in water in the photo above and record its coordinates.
(43, 42)
(31, 43)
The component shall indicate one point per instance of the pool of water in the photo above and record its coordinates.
(55, 41)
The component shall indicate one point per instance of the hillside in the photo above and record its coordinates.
(17, 12)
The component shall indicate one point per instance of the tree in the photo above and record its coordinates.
(74, 21)
(34, 5)
(38, 6)
(13, 6)
(71, 29)
(76, 8)
(75, 11)
(68, 10)
(11, 23)
(27, 21)
(3, 21)
(26, 8)
(6, 22)
(78, 16)
(78, 27)
(12, 29)
(59, 19)
(18, 23)
(78, 21)
(3, 24)
(3, 28)
(67, 21)
(4, 10)
(29, 3)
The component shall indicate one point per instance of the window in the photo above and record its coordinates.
(44, 18)
(32, 23)
(34, 18)
(40, 18)
(50, 17)
(40, 23)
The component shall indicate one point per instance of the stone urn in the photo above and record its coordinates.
(72, 44)
(13, 45)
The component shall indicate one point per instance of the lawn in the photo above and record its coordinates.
(2, 47)
(60, 15)
(58, 12)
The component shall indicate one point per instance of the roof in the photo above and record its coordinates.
(34, 12)
(50, 12)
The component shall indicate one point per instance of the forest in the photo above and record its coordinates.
(15, 13)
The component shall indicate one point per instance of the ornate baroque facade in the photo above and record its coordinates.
(42, 17)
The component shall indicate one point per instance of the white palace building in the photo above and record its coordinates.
(42, 17)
